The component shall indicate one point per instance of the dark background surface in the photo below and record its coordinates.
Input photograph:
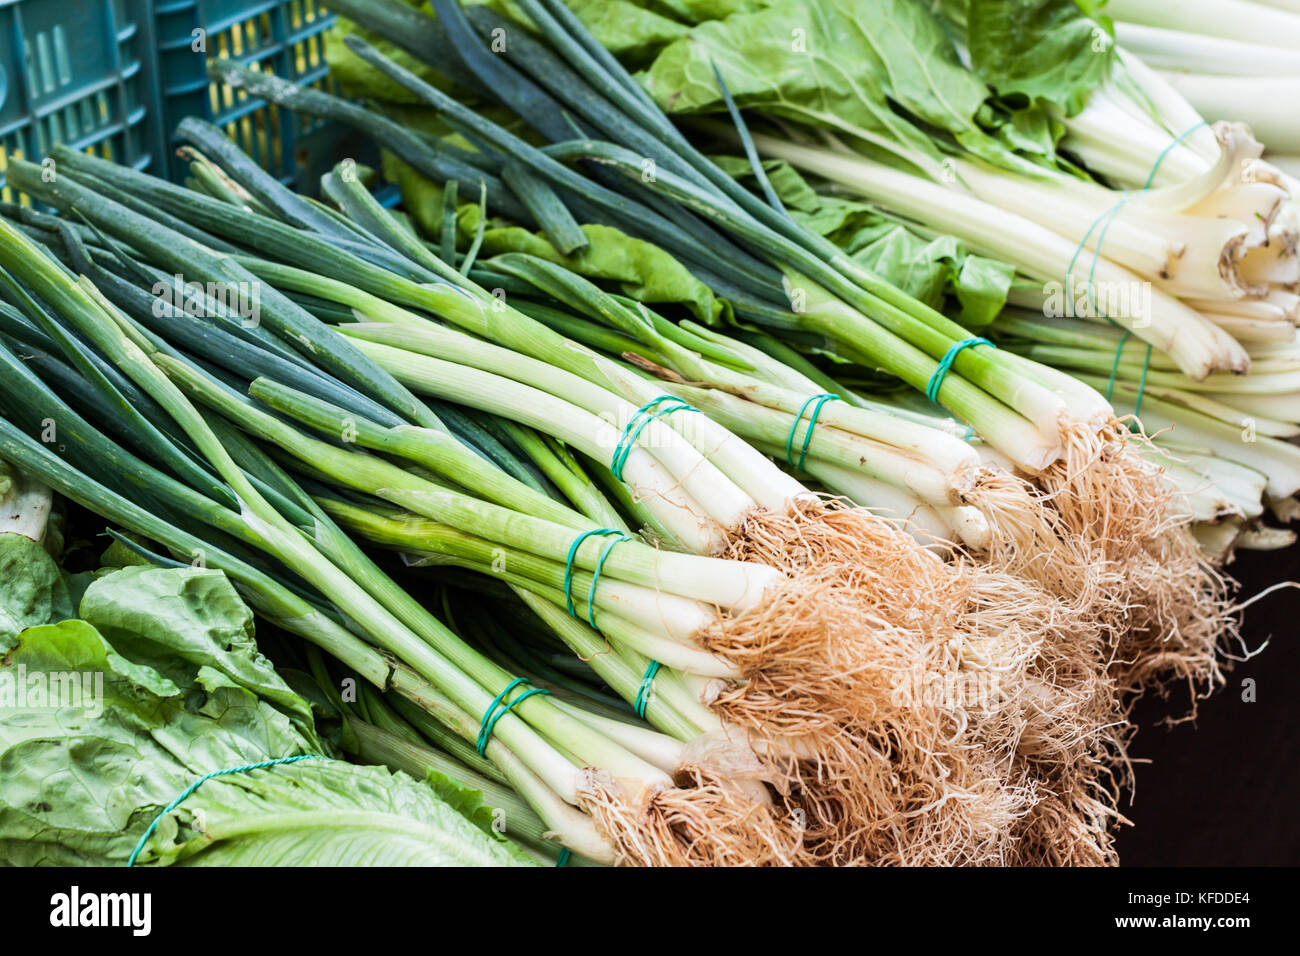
(1222, 791)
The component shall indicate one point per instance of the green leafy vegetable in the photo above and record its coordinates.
(882, 74)
(32, 588)
(168, 687)
(1042, 49)
(929, 268)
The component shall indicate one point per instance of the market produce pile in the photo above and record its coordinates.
(764, 433)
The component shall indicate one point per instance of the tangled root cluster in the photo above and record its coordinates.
(1169, 609)
(913, 711)
(1103, 533)
(914, 702)
(703, 822)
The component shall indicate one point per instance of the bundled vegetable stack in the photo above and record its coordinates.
(1158, 251)
(815, 659)
(788, 565)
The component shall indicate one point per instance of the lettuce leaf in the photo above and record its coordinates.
(32, 588)
(169, 686)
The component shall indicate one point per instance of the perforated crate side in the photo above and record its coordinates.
(286, 37)
(79, 72)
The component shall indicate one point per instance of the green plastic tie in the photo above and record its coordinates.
(945, 365)
(498, 709)
(139, 847)
(643, 695)
(619, 538)
(563, 858)
(1142, 385)
(819, 401)
(642, 417)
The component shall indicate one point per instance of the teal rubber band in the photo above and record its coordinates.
(643, 695)
(945, 365)
(498, 709)
(1114, 366)
(642, 417)
(1109, 216)
(1168, 149)
(563, 858)
(1119, 351)
(485, 734)
(1142, 380)
(1142, 384)
(595, 577)
(139, 847)
(1096, 253)
(820, 400)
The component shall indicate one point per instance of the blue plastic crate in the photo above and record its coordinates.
(285, 37)
(79, 72)
(116, 76)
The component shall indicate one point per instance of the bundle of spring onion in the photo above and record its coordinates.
(653, 592)
(245, 515)
(835, 655)
(1162, 598)
(901, 600)
(1097, 526)
(773, 673)
(1192, 254)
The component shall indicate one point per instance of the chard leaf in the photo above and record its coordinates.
(929, 268)
(1045, 50)
(637, 268)
(32, 588)
(886, 73)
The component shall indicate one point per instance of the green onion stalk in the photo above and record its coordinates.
(835, 778)
(561, 763)
(1224, 438)
(406, 369)
(1026, 428)
(1092, 535)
